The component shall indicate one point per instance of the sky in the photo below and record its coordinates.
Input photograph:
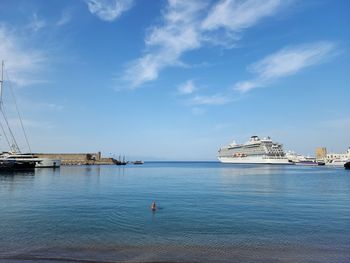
(175, 79)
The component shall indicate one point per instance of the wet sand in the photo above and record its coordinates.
(183, 254)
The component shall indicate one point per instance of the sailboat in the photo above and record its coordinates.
(120, 161)
(14, 160)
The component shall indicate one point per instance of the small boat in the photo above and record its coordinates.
(120, 161)
(48, 163)
(321, 163)
(336, 162)
(138, 162)
(347, 165)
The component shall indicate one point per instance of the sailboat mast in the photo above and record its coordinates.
(14, 147)
(2, 80)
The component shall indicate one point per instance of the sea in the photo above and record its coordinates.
(206, 212)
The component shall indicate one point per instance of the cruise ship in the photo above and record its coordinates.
(255, 151)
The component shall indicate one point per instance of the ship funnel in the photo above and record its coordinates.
(233, 143)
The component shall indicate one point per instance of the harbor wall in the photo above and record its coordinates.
(77, 158)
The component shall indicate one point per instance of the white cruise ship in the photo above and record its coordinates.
(255, 151)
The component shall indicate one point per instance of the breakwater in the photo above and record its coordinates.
(78, 158)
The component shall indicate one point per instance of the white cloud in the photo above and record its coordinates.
(290, 60)
(145, 69)
(22, 63)
(285, 62)
(187, 88)
(238, 15)
(166, 43)
(216, 99)
(244, 86)
(188, 25)
(36, 23)
(65, 18)
(109, 10)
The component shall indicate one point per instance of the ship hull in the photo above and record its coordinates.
(48, 163)
(13, 165)
(307, 163)
(336, 163)
(347, 166)
(255, 160)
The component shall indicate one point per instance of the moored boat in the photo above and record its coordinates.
(300, 159)
(7, 165)
(120, 161)
(337, 162)
(15, 159)
(48, 163)
(16, 162)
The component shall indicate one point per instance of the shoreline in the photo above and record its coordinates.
(185, 253)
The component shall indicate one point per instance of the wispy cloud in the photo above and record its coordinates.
(285, 62)
(109, 10)
(188, 25)
(65, 18)
(22, 63)
(216, 99)
(238, 15)
(186, 88)
(36, 23)
(197, 101)
(165, 43)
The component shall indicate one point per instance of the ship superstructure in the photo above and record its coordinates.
(255, 151)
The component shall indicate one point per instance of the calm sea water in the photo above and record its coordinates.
(208, 212)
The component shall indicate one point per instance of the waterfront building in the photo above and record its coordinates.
(338, 158)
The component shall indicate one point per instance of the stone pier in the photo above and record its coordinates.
(77, 158)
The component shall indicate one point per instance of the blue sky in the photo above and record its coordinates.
(176, 79)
